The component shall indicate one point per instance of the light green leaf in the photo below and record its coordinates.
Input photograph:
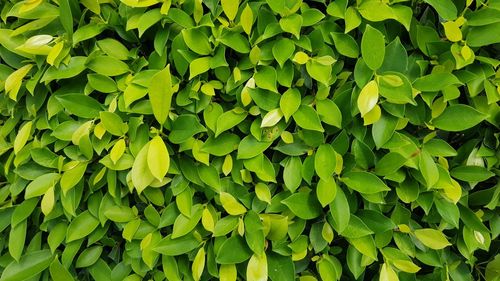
(458, 117)
(304, 205)
(364, 182)
(160, 94)
(432, 238)
(307, 118)
(158, 158)
(373, 47)
(230, 8)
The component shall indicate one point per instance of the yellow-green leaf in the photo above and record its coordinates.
(406, 266)
(158, 158)
(372, 116)
(160, 94)
(246, 19)
(271, 118)
(301, 58)
(22, 136)
(257, 268)
(231, 205)
(387, 273)
(117, 150)
(368, 97)
(227, 166)
(432, 238)
(452, 31)
(263, 193)
(227, 272)
(207, 220)
(48, 201)
(198, 264)
(14, 81)
(230, 8)
(141, 174)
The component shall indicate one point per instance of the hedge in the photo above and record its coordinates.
(249, 140)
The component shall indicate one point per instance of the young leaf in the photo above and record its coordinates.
(432, 238)
(373, 47)
(160, 94)
(158, 158)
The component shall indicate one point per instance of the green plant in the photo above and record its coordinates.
(289, 139)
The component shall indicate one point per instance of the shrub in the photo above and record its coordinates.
(281, 139)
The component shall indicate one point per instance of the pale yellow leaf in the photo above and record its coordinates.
(257, 268)
(231, 205)
(368, 97)
(158, 158)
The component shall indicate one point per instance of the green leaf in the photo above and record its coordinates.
(326, 191)
(113, 123)
(292, 24)
(158, 158)
(483, 35)
(364, 182)
(230, 8)
(281, 268)
(250, 147)
(266, 78)
(324, 161)
(235, 41)
(319, 71)
(140, 173)
(283, 50)
(41, 184)
(368, 97)
(227, 253)
(184, 127)
(387, 273)
(435, 82)
(80, 227)
(107, 66)
(72, 177)
(58, 272)
(66, 17)
(290, 102)
(373, 47)
(160, 94)
(228, 120)
(120, 213)
(246, 19)
(471, 173)
(22, 136)
(254, 234)
(102, 83)
(345, 44)
(340, 212)
(199, 66)
(175, 247)
(307, 118)
(197, 41)
(271, 118)
(28, 266)
(428, 168)
(458, 117)
(445, 8)
(80, 105)
(231, 205)
(88, 257)
(432, 238)
(304, 205)
(257, 268)
(291, 173)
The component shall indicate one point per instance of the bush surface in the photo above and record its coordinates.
(281, 139)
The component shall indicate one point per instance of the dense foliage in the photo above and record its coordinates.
(282, 139)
